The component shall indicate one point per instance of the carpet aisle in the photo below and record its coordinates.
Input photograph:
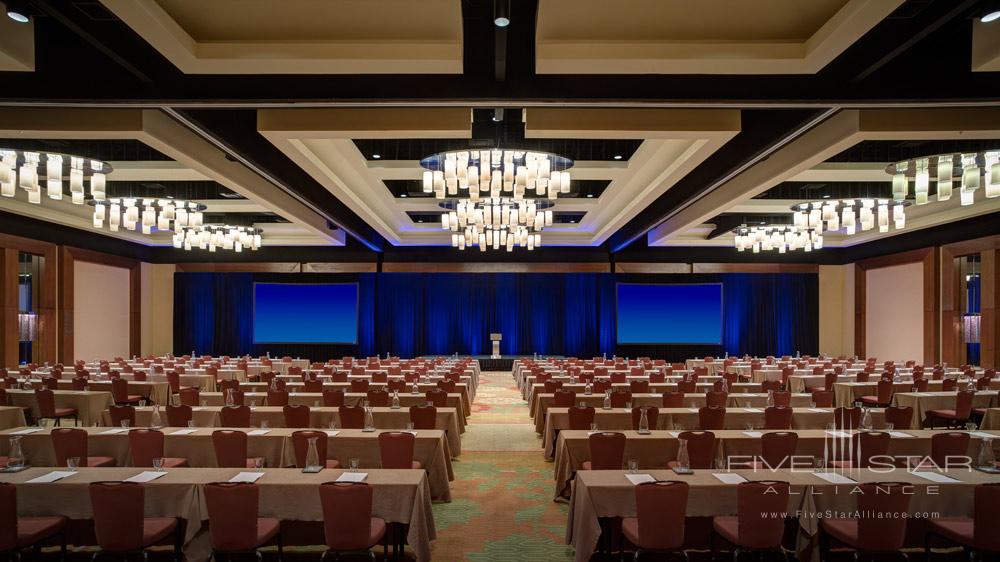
(501, 506)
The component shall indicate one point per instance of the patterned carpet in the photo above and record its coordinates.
(502, 506)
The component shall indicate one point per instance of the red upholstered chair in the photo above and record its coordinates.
(687, 386)
(701, 447)
(847, 418)
(423, 416)
(230, 449)
(312, 386)
(120, 524)
(17, 533)
(146, 445)
(639, 387)
(235, 416)
(339, 376)
(711, 418)
(119, 391)
(394, 385)
(619, 398)
(978, 533)
(782, 398)
(948, 448)
(618, 377)
(359, 386)
(899, 416)
(277, 398)
(581, 417)
(719, 399)
(607, 451)
(661, 508)
(122, 413)
(864, 446)
(777, 448)
(351, 417)
(140, 376)
(957, 416)
(673, 399)
(601, 385)
(348, 524)
(751, 528)
(333, 398)
(541, 377)
(770, 386)
(46, 401)
(552, 386)
(178, 416)
(71, 442)
(437, 397)
(949, 385)
(447, 386)
(190, 397)
(822, 398)
(778, 417)
(880, 530)
(657, 377)
(296, 416)
(380, 376)
(377, 398)
(920, 385)
(50, 383)
(78, 383)
(234, 522)
(882, 398)
(564, 398)
(828, 381)
(396, 449)
(300, 445)
(652, 412)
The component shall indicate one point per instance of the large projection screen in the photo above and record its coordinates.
(305, 313)
(669, 314)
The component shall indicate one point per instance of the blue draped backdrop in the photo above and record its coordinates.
(573, 314)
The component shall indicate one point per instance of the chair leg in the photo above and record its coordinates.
(178, 544)
(281, 547)
(62, 546)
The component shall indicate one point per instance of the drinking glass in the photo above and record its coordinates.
(258, 464)
(333, 424)
(263, 424)
(628, 405)
(142, 403)
(633, 466)
(889, 426)
(593, 426)
(354, 463)
(409, 426)
(749, 426)
(125, 423)
(191, 423)
(73, 463)
(819, 463)
(971, 426)
(158, 464)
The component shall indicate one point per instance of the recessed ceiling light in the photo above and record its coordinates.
(402, 195)
(501, 13)
(826, 197)
(590, 195)
(420, 220)
(617, 156)
(14, 13)
(992, 16)
(376, 156)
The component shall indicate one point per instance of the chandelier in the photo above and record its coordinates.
(133, 213)
(497, 223)
(850, 215)
(780, 237)
(966, 170)
(27, 169)
(215, 236)
(496, 173)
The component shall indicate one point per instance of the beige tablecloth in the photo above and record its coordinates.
(460, 389)
(537, 390)
(845, 393)
(11, 416)
(88, 403)
(923, 402)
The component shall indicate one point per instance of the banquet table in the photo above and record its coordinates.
(687, 418)
(991, 420)
(275, 447)
(805, 383)
(320, 418)
(922, 402)
(845, 393)
(608, 494)
(538, 390)
(205, 383)
(88, 403)
(11, 416)
(460, 388)
(732, 448)
(400, 496)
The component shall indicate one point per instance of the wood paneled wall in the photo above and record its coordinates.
(46, 312)
(952, 293)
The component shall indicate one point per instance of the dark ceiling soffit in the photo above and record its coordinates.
(726, 222)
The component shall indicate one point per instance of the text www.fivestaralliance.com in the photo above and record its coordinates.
(856, 514)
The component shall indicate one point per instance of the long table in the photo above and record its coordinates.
(88, 403)
(923, 402)
(259, 387)
(537, 390)
(11, 416)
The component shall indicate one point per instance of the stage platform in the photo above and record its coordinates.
(487, 363)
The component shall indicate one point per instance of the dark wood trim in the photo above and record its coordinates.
(989, 329)
(930, 258)
(500, 267)
(45, 347)
(652, 267)
(754, 268)
(952, 351)
(8, 302)
(68, 257)
(343, 267)
(952, 344)
(252, 267)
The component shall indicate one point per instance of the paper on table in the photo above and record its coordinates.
(935, 476)
(753, 410)
(259, 432)
(983, 435)
(755, 434)
(187, 431)
(51, 477)
(899, 434)
(352, 477)
(819, 410)
(332, 433)
(637, 479)
(834, 478)
(115, 431)
(247, 477)
(838, 433)
(729, 477)
(145, 476)
(694, 410)
(674, 433)
(27, 431)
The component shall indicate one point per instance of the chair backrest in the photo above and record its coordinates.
(395, 385)
(711, 418)
(235, 416)
(717, 398)
(920, 385)
(869, 444)
(190, 397)
(232, 515)
(754, 502)
(333, 398)
(580, 417)
(899, 416)
(446, 385)
(423, 416)
(607, 450)
(118, 511)
(564, 398)
(618, 377)
(69, 442)
(778, 417)
(770, 385)
(119, 390)
(178, 416)
(639, 387)
(8, 517)
(885, 388)
(881, 527)
(174, 380)
(296, 415)
(847, 418)
(396, 449)
(277, 398)
(782, 398)
(46, 400)
(601, 385)
(238, 397)
(651, 414)
(230, 448)
(984, 530)
(620, 397)
(359, 385)
(661, 508)
(347, 512)
(300, 444)
(701, 446)
(437, 397)
(673, 399)
(778, 447)
(949, 385)
(552, 386)
(822, 398)
(351, 417)
(963, 404)
(380, 376)
(828, 381)
(949, 447)
(378, 398)
(657, 377)
(119, 413)
(145, 445)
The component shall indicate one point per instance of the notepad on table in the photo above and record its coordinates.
(637, 479)
(674, 433)
(834, 478)
(899, 434)
(53, 476)
(693, 410)
(332, 433)
(115, 431)
(753, 410)
(935, 477)
(838, 433)
(729, 477)
(819, 410)
(259, 432)
(27, 431)
(983, 435)
(352, 477)
(247, 477)
(187, 431)
(145, 476)
(754, 434)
